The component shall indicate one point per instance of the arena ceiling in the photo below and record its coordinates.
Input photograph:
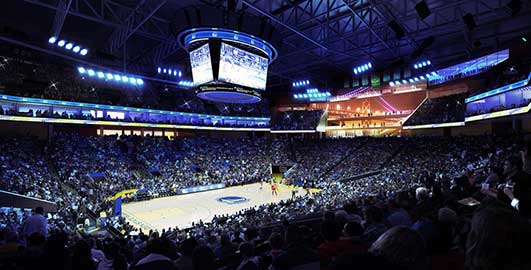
(320, 40)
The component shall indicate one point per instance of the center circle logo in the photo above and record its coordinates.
(232, 199)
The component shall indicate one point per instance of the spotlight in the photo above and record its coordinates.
(404, 81)
(180, 74)
(61, 43)
(428, 62)
(411, 80)
(164, 71)
(158, 70)
(392, 84)
(422, 77)
(397, 82)
(125, 79)
(416, 66)
(524, 39)
(91, 72)
(69, 46)
(117, 77)
(133, 81)
(416, 79)
(109, 76)
(52, 40)
(140, 81)
(81, 70)
(83, 52)
(175, 73)
(328, 94)
(101, 75)
(76, 49)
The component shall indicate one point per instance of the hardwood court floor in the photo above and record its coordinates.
(182, 210)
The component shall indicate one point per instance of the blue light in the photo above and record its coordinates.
(307, 81)
(61, 43)
(109, 76)
(328, 94)
(175, 73)
(76, 49)
(391, 83)
(170, 71)
(410, 80)
(117, 77)
(81, 70)
(404, 81)
(433, 73)
(125, 79)
(158, 70)
(370, 65)
(416, 66)
(83, 52)
(69, 46)
(180, 74)
(101, 75)
(416, 79)
(293, 84)
(52, 40)
(164, 71)
(91, 72)
(429, 62)
(397, 82)
(132, 81)
(422, 77)
(140, 81)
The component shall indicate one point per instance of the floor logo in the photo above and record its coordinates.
(232, 199)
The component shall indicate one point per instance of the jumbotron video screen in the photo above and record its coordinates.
(243, 68)
(201, 65)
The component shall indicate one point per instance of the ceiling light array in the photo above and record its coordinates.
(68, 45)
(313, 94)
(362, 68)
(186, 83)
(422, 64)
(300, 83)
(111, 76)
(169, 71)
(413, 79)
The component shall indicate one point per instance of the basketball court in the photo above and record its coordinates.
(182, 210)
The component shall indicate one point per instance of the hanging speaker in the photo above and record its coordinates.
(469, 21)
(515, 6)
(422, 9)
(399, 31)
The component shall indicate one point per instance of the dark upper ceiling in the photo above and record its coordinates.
(319, 40)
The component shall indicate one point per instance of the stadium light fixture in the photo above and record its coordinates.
(101, 75)
(61, 43)
(69, 46)
(52, 40)
(76, 49)
(81, 70)
(159, 70)
(524, 39)
(91, 72)
(391, 84)
(83, 52)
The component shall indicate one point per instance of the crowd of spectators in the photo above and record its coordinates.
(297, 120)
(410, 216)
(445, 109)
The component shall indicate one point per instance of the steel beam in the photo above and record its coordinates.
(60, 15)
(138, 17)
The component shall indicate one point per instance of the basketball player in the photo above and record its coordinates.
(274, 189)
(261, 183)
(293, 192)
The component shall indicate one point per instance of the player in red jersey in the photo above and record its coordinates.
(274, 189)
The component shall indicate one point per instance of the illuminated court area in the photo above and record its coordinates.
(182, 210)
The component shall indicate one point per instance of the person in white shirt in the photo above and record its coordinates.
(37, 223)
